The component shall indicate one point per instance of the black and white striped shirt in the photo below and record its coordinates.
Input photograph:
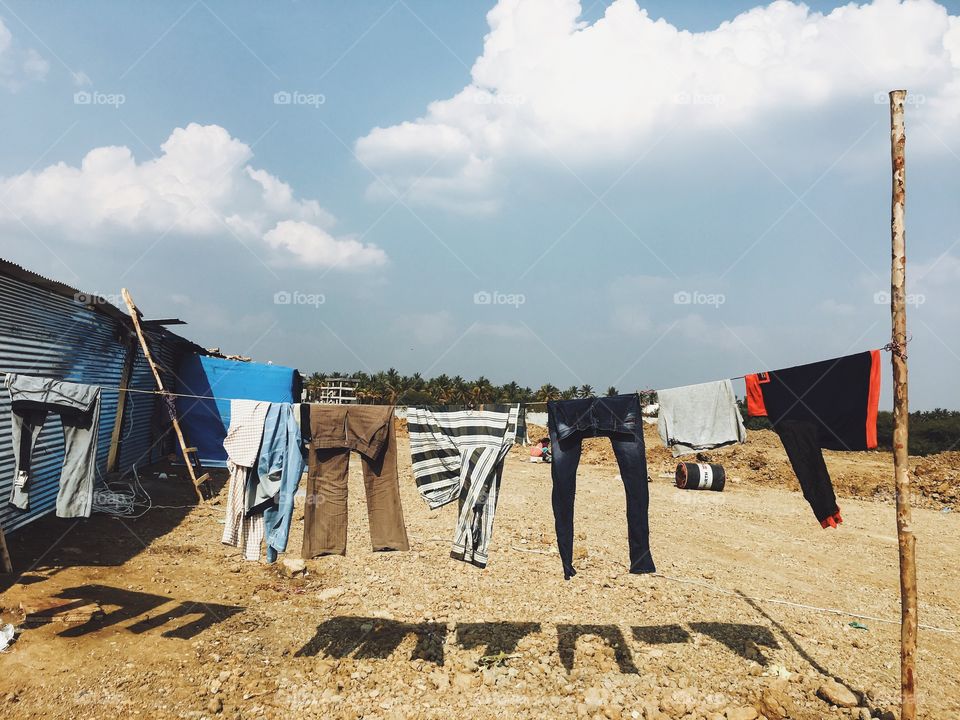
(458, 454)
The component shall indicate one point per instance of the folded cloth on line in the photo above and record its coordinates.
(242, 529)
(830, 404)
(32, 399)
(699, 417)
(458, 454)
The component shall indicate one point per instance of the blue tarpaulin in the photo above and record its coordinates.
(205, 421)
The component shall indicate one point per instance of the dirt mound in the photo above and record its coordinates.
(938, 476)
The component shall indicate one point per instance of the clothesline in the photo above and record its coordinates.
(4, 373)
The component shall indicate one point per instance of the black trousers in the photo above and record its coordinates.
(619, 419)
(800, 439)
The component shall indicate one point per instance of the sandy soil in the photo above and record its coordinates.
(192, 631)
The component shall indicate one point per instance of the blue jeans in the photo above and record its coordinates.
(619, 419)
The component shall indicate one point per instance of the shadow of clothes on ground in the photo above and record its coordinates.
(131, 604)
(660, 634)
(369, 637)
(496, 637)
(567, 636)
(738, 637)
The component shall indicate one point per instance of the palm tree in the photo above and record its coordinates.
(570, 393)
(312, 385)
(481, 391)
(586, 391)
(510, 393)
(611, 391)
(548, 392)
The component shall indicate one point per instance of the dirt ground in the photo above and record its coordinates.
(722, 631)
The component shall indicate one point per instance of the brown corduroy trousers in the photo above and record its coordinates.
(335, 430)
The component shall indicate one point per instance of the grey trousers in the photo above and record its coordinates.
(33, 399)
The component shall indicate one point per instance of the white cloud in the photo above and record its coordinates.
(315, 247)
(18, 66)
(548, 84)
(201, 184)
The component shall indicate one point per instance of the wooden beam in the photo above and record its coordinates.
(901, 413)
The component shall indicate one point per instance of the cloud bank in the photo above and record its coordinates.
(202, 184)
(551, 86)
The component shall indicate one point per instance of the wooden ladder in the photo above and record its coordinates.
(200, 478)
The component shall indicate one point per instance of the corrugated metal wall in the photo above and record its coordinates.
(48, 334)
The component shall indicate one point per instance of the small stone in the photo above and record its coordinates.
(215, 705)
(837, 694)
(593, 699)
(463, 681)
(294, 566)
(330, 594)
(864, 714)
(742, 713)
(775, 704)
(440, 680)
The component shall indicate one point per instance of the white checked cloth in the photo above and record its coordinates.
(243, 446)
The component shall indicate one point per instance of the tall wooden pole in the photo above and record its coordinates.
(901, 416)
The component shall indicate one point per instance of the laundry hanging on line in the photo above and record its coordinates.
(332, 432)
(458, 454)
(78, 405)
(279, 469)
(618, 418)
(699, 417)
(243, 529)
(831, 404)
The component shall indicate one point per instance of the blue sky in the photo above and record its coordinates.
(649, 194)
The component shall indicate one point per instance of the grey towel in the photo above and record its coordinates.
(699, 417)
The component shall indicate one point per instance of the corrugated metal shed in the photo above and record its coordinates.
(50, 329)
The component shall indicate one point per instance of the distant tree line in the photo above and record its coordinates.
(390, 387)
(931, 431)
